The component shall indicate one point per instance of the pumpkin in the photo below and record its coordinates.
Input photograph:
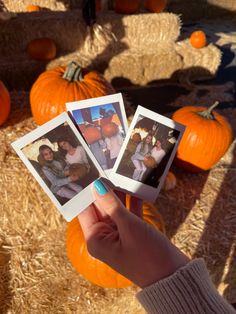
(136, 138)
(170, 181)
(126, 7)
(5, 103)
(155, 6)
(33, 8)
(110, 129)
(92, 134)
(78, 170)
(206, 139)
(198, 39)
(93, 269)
(57, 86)
(149, 162)
(42, 49)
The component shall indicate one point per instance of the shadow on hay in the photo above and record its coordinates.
(5, 291)
(224, 232)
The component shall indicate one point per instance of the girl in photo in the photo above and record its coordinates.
(73, 154)
(158, 152)
(61, 183)
(143, 149)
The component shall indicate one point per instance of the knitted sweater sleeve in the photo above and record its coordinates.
(188, 290)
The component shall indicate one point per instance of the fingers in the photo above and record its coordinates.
(87, 219)
(107, 201)
(136, 206)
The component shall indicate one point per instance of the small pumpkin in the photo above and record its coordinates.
(150, 162)
(55, 87)
(206, 139)
(92, 134)
(198, 39)
(126, 7)
(93, 269)
(5, 103)
(33, 8)
(110, 129)
(136, 137)
(78, 170)
(155, 6)
(42, 49)
(170, 181)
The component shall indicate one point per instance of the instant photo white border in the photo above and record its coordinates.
(136, 188)
(99, 101)
(84, 198)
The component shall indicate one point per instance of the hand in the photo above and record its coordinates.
(74, 177)
(125, 242)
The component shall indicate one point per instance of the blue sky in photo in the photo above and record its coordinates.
(94, 112)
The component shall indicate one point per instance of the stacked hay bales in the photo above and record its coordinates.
(144, 48)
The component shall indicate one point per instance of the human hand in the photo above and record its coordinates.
(125, 242)
(74, 177)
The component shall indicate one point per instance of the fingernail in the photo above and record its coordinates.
(100, 187)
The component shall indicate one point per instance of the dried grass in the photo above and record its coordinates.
(36, 276)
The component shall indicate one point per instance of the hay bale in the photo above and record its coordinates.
(199, 215)
(20, 6)
(141, 69)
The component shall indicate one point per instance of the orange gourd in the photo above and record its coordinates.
(33, 8)
(150, 162)
(110, 129)
(78, 170)
(42, 49)
(91, 268)
(206, 139)
(92, 134)
(57, 86)
(155, 6)
(5, 103)
(126, 7)
(198, 39)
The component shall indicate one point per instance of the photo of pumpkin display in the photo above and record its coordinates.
(103, 124)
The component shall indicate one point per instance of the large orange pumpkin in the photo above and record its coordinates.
(42, 49)
(5, 103)
(206, 139)
(57, 86)
(92, 134)
(155, 6)
(110, 129)
(126, 7)
(91, 268)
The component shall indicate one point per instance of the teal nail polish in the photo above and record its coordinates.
(100, 187)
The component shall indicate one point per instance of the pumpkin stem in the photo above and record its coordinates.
(73, 72)
(207, 114)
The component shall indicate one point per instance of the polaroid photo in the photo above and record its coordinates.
(147, 154)
(60, 160)
(102, 122)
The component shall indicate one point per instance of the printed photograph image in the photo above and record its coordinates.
(148, 151)
(103, 129)
(61, 162)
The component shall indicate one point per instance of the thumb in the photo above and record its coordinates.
(107, 201)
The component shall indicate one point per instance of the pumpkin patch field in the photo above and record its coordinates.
(162, 55)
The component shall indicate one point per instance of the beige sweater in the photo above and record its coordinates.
(188, 290)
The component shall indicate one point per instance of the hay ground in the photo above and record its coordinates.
(35, 274)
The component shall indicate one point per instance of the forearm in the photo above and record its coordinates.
(188, 290)
(56, 180)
